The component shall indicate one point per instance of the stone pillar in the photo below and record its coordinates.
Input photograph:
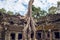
(34, 38)
(50, 35)
(9, 37)
(6, 36)
(16, 36)
(45, 35)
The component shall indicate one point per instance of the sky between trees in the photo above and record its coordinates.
(21, 6)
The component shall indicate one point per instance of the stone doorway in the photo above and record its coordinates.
(57, 35)
(19, 36)
(39, 35)
(12, 36)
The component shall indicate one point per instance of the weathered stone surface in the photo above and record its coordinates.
(16, 23)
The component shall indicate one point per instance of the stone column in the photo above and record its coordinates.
(34, 38)
(9, 37)
(6, 36)
(45, 35)
(50, 34)
(16, 36)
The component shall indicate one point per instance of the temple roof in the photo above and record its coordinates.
(16, 23)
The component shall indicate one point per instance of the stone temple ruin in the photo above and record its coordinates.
(17, 27)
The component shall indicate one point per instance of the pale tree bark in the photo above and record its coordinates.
(25, 30)
(33, 28)
(30, 24)
(29, 33)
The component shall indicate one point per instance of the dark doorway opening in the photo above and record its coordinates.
(11, 22)
(12, 36)
(48, 35)
(38, 35)
(0, 14)
(32, 34)
(19, 36)
(57, 35)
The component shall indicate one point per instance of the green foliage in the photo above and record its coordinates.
(17, 13)
(43, 13)
(58, 3)
(2, 10)
(37, 12)
(10, 13)
(52, 10)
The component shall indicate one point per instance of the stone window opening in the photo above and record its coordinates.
(56, 20)
(48, 35)
(57, 35)
(11, 22)
(0, 36)
(0, 14)
(32, 34)
(12, 36)
(39, 35)
(19, 36)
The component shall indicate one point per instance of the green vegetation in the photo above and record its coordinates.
(10, 13)
(36, 11)
(58, 3)
(52, 10)
(2, 10)
(39, 12)
(17, 13)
